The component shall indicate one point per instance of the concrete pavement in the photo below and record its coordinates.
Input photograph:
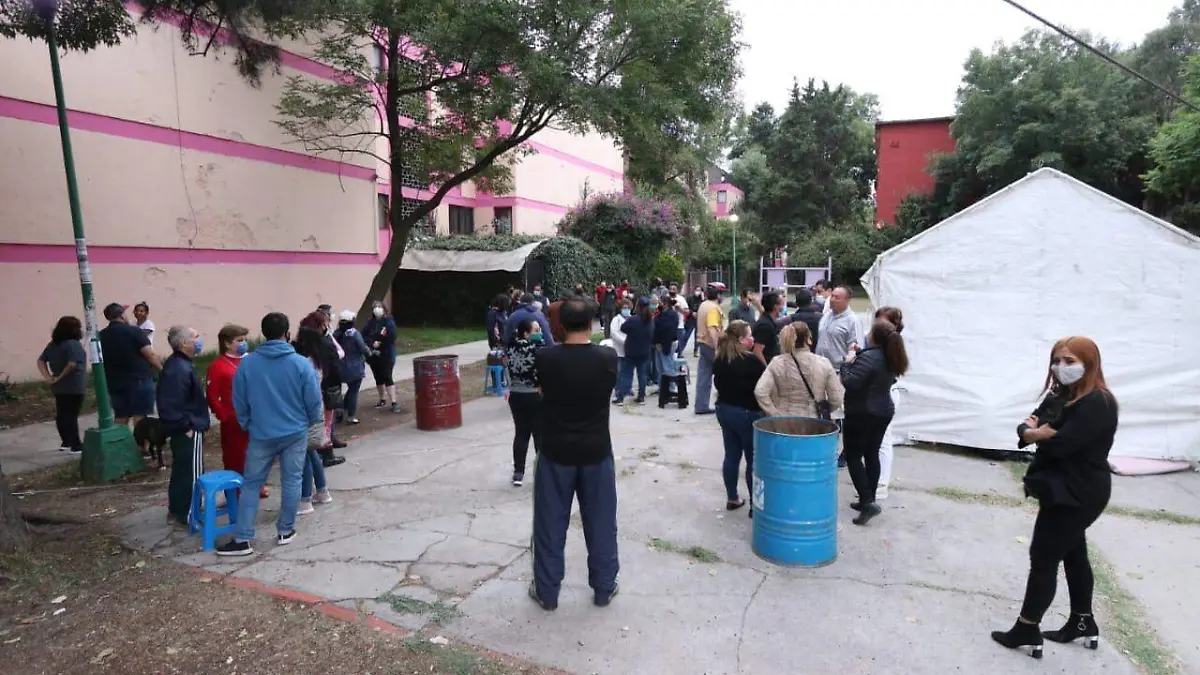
(35, 445)
(426, 532)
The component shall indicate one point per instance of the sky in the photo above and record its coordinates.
(910, 53)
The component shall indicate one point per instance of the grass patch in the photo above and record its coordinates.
(984, 498)
(1127, 627)
(697, 553)
(439, 612)
(1153, 515)
(1017, 469)
(426, 338)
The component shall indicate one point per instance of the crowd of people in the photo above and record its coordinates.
(812, 358)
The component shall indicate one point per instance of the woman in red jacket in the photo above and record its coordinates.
(231, 342)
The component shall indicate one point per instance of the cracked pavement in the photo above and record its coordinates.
(431, 517)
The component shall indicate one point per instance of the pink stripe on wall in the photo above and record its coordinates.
(489, 200)
(130, 255)
(113, 126)
(544, 149)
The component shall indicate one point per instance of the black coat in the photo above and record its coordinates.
(1071, 469)
(811, 317)
(868, 384)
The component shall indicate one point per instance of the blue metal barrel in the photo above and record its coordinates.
(795, 491)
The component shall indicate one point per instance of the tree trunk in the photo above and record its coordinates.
(14, 534)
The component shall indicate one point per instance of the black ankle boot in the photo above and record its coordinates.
(1021, 635)
(328, 459)
(1077, 626)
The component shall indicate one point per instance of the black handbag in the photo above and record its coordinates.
(824, 410)
(331, 397)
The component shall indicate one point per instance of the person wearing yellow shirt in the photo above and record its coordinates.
(710, 323)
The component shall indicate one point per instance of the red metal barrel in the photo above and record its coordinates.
(439, 396)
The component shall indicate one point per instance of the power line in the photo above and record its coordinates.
(1106, 57)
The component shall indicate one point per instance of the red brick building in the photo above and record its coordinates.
(904, 149)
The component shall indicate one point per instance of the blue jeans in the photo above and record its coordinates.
(664, 359)
(704, 379)
(314, 473)
(737, 431)
(625, 369)
(350, 400)
(260, 455)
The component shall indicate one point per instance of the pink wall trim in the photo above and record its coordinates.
(113, 126)
(492, 201)
(728, 187)
(131, 255)
(542, 148)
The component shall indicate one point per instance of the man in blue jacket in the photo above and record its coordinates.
(183, 413)
(526, 311)
(277, 398)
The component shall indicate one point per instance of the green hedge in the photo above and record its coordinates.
(568, 261)
(470, 242)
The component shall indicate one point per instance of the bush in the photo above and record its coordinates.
(568, 261)
(471, 242)
(853, 247)
(668, 268)
(626, 226)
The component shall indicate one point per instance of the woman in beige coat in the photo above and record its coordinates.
(781, 390)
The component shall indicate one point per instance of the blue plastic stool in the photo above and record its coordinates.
(495, 381)
(204, 505)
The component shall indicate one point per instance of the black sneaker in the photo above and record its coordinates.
(381, 404)
(841, 461)
(285, 538)
(234, 548)
(541, 603)
(603, 599)
(518, 478)
(337, 443)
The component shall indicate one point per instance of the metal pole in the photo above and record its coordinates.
(733, 276)
(99, 381)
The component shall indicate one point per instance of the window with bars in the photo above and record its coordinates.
(462, 220)
(383, 212)
(503, 220)
(414, 106)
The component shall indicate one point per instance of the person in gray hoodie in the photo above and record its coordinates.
(277, 398)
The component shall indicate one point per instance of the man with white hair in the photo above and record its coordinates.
(183, 413)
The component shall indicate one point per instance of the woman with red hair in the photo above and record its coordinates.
(1073, 430)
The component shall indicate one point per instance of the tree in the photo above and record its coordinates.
(1163, 55)
(83, 25)
(819, 163)
(498, 73)
(1173, 182)
(756, 129)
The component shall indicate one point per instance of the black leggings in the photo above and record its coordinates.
(1058, 535)
(524, 408)
(861, 437)
(66, 419)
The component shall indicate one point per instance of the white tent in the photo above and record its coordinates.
(987, 292)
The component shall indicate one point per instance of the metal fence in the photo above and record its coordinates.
(702, 277)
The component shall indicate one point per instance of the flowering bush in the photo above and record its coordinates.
(624, 225)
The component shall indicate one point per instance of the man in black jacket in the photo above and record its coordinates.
(183, 413)
(808, 312)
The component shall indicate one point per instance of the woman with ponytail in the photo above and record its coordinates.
(868, 376)
(735, 371)
(894, 316)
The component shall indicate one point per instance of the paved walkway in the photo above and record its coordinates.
(35, 445)
(426, 532)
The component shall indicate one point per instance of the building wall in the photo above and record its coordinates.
(197, 203)
(904, 150)
(733, 197)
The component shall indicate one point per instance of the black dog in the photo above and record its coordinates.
(150, 437)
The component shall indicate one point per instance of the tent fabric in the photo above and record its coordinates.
(987, 292)
(425, 260)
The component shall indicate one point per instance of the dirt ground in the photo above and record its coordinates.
(80, 602)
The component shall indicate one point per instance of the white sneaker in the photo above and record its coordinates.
(322, 497)
(881, 493)
(306, 507)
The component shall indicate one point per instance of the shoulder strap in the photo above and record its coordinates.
(802, 377)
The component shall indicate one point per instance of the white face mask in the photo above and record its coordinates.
(1069, 374)
(378, 312)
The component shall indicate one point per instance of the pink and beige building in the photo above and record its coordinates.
(197, 203)
(723, 195)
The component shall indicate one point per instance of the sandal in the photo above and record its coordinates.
(734, 506)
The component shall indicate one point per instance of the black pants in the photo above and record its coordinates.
(554, 488)
(1058, 536)
(862, 435)
(606, 317)
(524, 409)
(187, 463)
(66, 419)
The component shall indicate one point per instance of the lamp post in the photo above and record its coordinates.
(733, 220)
(109, 451)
